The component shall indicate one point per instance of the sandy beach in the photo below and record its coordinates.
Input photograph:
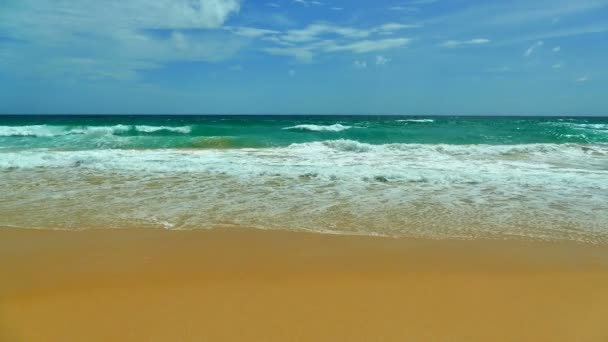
(249, 285)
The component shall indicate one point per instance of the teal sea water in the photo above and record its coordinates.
(435, 177)
(149, 132)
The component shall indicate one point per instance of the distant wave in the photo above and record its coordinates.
(319, 128)
(152, 129)
(55, 131)
(599, 127)
(99, 130)
(417, 120)
(31, 131)
(581, 126)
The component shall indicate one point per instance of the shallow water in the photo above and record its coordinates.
(538, 178)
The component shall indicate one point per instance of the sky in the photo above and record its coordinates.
(416, 57)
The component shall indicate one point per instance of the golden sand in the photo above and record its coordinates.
(226, 285)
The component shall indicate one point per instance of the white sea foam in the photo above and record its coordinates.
(100, 130)
(152, 129)
(543, 191)
(417, 120)
(56, 130)
(334, 157)
(32, 131)
(319, 128)
(579, 126)
(601, 127)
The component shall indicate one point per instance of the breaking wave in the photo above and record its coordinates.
(319, 128)
(334, 156)
(55, 131)
(152, 129)
(417, 120)
(542, 191)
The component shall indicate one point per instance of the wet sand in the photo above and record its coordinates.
(247, 285)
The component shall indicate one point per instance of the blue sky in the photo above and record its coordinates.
(524, 57)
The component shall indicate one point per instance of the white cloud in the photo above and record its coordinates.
(303, 44)
(403, 8)
(533, 48)
(365, 46)
(556, 49)
(41, 21)
(381, 60)
(312, 32)
(523, 20)
(306, 53)
(316, 31)
(583, 79)
(390, 27)
(460, 43)
(291, 73)
(557, 66)
(337, 8)
(252, 32)
(272, 4)
(360, 64)
(303, 55)
(534, 11)
(116, 38)
(308, 2)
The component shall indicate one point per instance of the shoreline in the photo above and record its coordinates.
(240, 284)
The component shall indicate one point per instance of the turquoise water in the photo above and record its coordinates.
(137, 132)
(431, 177)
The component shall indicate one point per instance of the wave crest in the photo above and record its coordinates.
(417, 120)
(56, 131)
(482, 150)
(153, 129)
(319, 128)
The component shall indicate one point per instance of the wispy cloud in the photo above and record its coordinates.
(582, 79)
(251, 32)
(411, 6)
(500, 69)
(117, 39)
(460, 43)
(306, 53)
(522, 20)
(316, 31)
(534, 11)
(381, 60)
(403, 8)
(308, 2)
(533, 48)
(365, 46)
(303, 44)
(302, 54)
(360, 64)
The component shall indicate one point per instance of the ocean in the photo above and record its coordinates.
(537, 178)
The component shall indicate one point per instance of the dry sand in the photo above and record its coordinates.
(247, 285)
